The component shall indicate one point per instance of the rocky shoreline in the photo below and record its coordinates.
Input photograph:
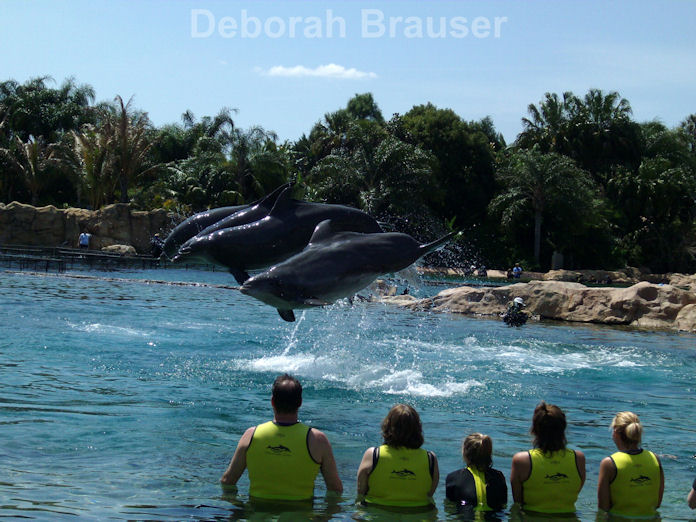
(654, 306)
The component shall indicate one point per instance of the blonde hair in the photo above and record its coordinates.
(477, 449)
(628, 426)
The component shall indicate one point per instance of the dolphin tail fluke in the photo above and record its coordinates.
(431, 247)
(287, 315)
(239, 275)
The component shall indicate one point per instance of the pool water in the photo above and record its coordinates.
(124, 399)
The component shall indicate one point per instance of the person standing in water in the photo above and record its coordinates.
(283, 456)
(548, 478)
(399, 473)
(631, 481)
(478, 487)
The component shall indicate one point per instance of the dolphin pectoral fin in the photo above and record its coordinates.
(287, 315)
(315, 302)
(239, 275)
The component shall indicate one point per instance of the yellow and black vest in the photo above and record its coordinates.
(554, 482)
(279, 463)
(635, 489)
(400, 477)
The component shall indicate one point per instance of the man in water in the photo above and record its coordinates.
(283, 456)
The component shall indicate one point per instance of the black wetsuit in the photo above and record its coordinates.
(461, 488)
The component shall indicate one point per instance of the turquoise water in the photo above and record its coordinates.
(123, 399)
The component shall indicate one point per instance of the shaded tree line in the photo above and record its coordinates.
(582, 179)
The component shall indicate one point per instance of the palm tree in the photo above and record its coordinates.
(31, 160)
(92, 151)
(535, 182)
(132, 139)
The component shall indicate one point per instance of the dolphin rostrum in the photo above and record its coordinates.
(197, 223)
(285, 231)
(333, 266)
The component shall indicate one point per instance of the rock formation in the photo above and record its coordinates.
(49, 226)
(646, 305)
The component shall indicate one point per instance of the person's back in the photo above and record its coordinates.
(548, 478)
(279, 462)
(399, 473)
(283, 456)
(478, 487)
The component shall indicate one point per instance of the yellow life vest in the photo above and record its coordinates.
(279, 463)
(554, 482)
(400, 477)
(480, 482)
(635, 489)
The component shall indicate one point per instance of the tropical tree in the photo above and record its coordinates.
(132, 140)
(93, 161)
(545, 188)
(31, 161)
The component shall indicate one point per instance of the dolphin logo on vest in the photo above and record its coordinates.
(279, 449)
(404, 473)
(557, 476)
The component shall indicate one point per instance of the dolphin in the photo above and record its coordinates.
(285, 231)
(197, 223)
(335, 265)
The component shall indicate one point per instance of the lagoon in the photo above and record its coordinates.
(124, 399)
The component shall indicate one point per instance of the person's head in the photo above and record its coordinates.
(477, 450)
(548, 427)
(402, 428)
(286, 396)
(628, 428)
(519, 302)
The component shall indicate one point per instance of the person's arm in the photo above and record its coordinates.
(436, 475)
(580, 463)
(607, 473)
(521, 469)
(364, 471)
(691, 498)
(238, 462)
(320, 449)
(662, 483)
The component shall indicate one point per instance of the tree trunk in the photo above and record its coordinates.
(537, 235)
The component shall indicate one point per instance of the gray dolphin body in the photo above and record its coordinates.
(200, 222)
(334, 266)
(285, 231)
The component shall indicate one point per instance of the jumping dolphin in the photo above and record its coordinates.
(197, 223)
(335, 265)
(285, 231)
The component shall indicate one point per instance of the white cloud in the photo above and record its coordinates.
(331, 70)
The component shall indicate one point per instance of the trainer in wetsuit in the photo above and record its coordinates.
(283, 456)
(399, 473)
(631, 481)
(478, 487)
(548, 478)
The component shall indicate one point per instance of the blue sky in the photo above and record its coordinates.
(174, 55)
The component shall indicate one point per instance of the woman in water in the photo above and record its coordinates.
(478, 487)
(548, 478)
(399, 473)
(631, 481)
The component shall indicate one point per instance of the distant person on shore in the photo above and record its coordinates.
(517, 271)
(156, 245)
(399, 473)
(631, 481)
(478, 487)
(283, 456)
(548, 478)
(84, 239)
(691, 497)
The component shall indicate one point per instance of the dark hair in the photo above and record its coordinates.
(402, 427)
(548, 428)
(287, 394)
(477, 449)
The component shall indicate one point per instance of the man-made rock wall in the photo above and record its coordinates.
(117, 224)
(646, 305)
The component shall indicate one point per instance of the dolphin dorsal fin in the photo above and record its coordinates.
(322, 232)
(283, 199)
